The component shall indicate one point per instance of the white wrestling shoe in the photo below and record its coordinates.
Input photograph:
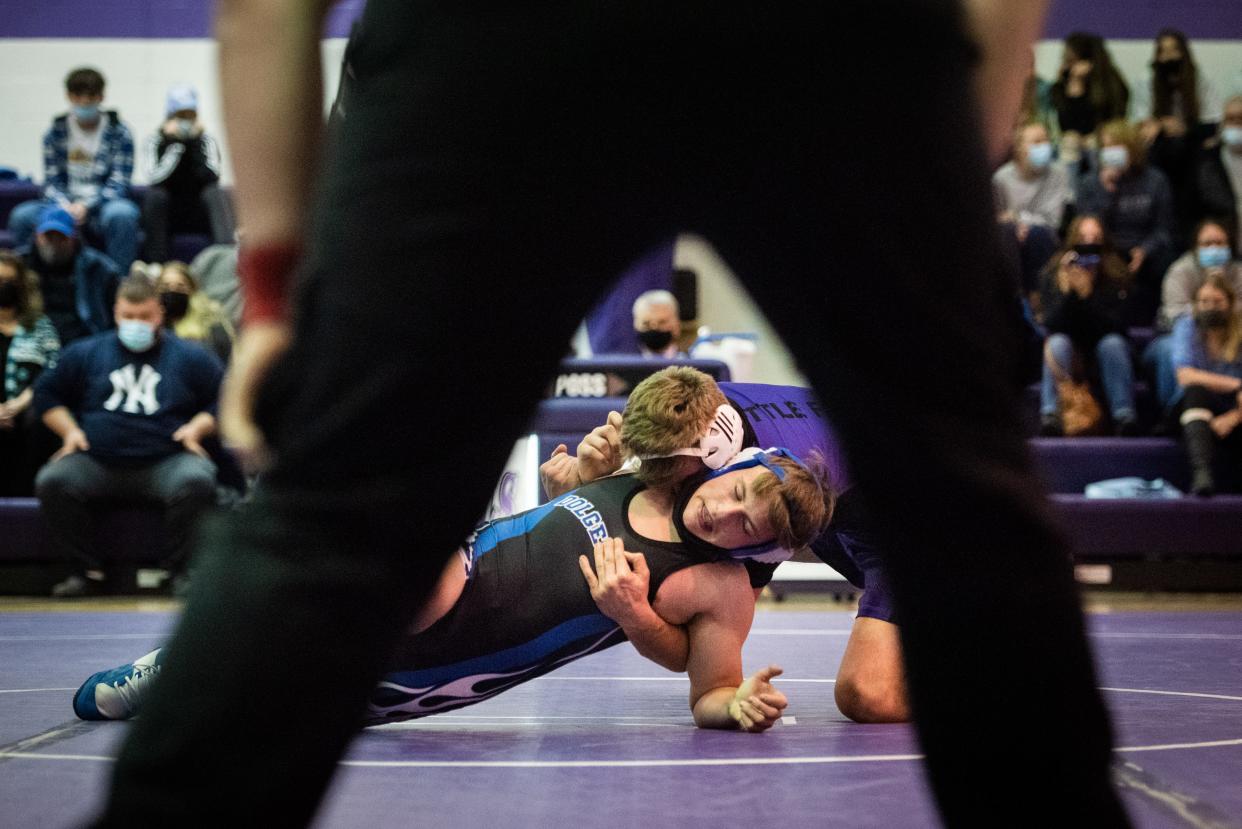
(117, 694)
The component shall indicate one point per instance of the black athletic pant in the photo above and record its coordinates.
(497, 164)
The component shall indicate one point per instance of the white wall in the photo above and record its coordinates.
(138, 73)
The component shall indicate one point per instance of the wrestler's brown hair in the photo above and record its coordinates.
(805, 500)
(668, 411)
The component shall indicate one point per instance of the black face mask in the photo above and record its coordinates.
(1169, 67)
(1089, 250)
(655, 340)
(1212, 319)
(175, 304)
(9, 295)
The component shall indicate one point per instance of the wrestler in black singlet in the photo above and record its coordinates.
(526, 608)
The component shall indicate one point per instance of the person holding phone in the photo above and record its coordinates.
(1082, 293)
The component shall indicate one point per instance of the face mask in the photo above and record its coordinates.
(1169, 67)
(1212, 319)
(1039, 155)
(1114, 158)
(1232, 136)
(184, 127)
(1213, 256)
(8, 294)
(136, 335)
(655, 340)
(87, 113)
(54, 255)
(175, 304)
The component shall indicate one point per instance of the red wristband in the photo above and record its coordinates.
(264, 273)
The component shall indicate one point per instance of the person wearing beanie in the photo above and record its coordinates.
(184, 176)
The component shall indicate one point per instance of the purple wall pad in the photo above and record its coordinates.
(136, 19)
(1202, 19)
(608, 741)
(1141, 19)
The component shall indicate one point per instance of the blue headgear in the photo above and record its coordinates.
(769, 552)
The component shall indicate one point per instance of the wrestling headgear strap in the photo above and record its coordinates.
(719, 444)
(769, 552)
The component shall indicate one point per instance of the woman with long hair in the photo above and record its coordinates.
(1081, 297)
(1208, 362)
(1180, 116)
(1089, 90)
(191, 314)
(28, 346)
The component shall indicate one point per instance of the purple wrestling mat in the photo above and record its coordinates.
(608, 741)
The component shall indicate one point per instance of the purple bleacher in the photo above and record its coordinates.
(185, 246)
(124, 533)
(1147, 528)
(1069, 464)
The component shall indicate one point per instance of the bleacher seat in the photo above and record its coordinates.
(124, 533)
(184, 246)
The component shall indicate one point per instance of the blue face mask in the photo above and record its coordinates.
(1232, 136)
(136, 335)
(1213, 256)
(1039, 155)
(86, 112)
(1114, 158)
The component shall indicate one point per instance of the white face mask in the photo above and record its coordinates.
(1039, 155)
(1114, 158)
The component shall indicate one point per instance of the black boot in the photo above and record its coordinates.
(1200, 445)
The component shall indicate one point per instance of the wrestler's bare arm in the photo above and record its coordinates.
(716, 604)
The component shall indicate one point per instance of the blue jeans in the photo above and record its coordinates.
(115, 222)
(1112, 355)
(1158, 364)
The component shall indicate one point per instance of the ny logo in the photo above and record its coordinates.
(135, 391)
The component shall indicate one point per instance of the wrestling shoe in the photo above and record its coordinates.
(117, 694)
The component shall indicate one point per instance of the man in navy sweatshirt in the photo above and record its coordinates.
(132, 407)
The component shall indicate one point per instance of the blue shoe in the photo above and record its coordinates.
(117, 694)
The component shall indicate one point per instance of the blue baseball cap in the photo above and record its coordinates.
(57, 219)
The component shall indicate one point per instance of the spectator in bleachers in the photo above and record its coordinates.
(28, 347)
(1181, 113)
(1082, 294)
(132, 409)
(216, 269)
(657, 324)
(191, 314)
(1134, 201)
(1213, 255)
(78, 283)
(88, 161)
(1031, 193)
(1218, 174)
(1206, 357)
(1088, 92)
(185, 193)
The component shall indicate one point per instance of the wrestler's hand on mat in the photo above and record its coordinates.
(599, 453)
(619, 582)
(559, 473)
(257, 348)
(757, 705)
